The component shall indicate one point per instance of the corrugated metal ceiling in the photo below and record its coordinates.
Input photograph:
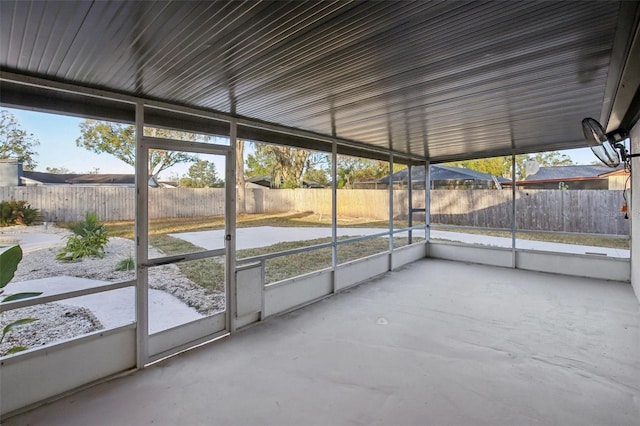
(438, 79)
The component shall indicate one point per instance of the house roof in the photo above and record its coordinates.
(79, 179)
(266, 182)
(440, 172)
(573, 172)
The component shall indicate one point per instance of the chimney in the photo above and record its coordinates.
(10, 172)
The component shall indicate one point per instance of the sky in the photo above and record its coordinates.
(58, 133)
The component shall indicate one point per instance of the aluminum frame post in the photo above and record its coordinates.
(427, 200)
(513, 211)
(334, 212)
(142, 241)
(410, 201)
(230, 228)
(391, 235)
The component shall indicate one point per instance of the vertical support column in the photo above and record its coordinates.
(634, 209)
(410, 201)
(427, 200)
(334, 211)
(142, 241)
(514, 225)
(230, 227)
(391, 235)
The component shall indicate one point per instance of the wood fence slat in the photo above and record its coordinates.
(587, 211)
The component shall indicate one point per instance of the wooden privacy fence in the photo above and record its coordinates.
(587, 211)
(70, 203)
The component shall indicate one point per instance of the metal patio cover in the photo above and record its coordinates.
(433, 79)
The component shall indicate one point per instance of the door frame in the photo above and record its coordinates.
(151, 348)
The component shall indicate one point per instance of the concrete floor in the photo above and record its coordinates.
(435, 343)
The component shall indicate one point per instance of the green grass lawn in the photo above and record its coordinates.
(209, 273)
(124, 229)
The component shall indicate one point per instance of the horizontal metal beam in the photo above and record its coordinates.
(165, 260)
(38, 300)
(27, 92)
(199, 147)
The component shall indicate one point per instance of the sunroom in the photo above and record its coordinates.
(438, 309)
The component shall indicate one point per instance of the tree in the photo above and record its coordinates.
(501, 166)
(259, 163)
(284, 165)
(59, 170)
(496, 166)
(202, 174)
(119, 140)
(320, 175)
(15, 142)
(351, 169)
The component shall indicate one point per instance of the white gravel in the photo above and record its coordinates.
(57, 321)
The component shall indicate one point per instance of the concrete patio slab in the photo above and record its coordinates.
(436, 343)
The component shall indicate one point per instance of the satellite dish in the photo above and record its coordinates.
(531, 167)
(604, 145)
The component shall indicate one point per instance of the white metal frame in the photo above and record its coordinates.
(151, 347)
(131, 342)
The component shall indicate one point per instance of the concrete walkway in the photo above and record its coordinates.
(263, 236)
(113, 308)
(30, 242)
(529, 244)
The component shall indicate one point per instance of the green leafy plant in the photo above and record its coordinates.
(88, 240)
(18, 212)
(29, 215)
(9, 260)
(90, 245)
(89, 225)
(126, 264)
(6, 214)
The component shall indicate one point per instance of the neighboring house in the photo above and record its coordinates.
(591, 176)
(88, 179)
(265, 182)
(443, 177)
(43, 178)
(12, 174)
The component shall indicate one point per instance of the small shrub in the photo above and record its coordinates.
(29, 215)
(88, 240)
(88, 225)
(19, 212)
(6, 214)
(126, 264)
